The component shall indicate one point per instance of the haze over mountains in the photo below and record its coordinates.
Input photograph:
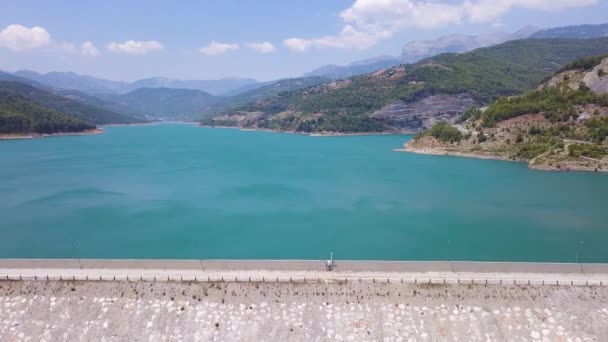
(93, 85)
(99, 101)
(417, 50)
(414, 96)
(577, 32)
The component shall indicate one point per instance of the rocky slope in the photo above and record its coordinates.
(414, 116)
(411, 97)
(419, 49)
(563, 125)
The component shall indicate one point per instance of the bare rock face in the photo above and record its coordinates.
(597, 79)
(424, 113)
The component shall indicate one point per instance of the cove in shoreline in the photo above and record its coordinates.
(489, 156)
(38, 135)
(320, 134)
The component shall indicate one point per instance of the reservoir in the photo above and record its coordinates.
(183, 192)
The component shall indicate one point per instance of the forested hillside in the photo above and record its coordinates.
(67, 105)
(561, 125)
(359, 104)
(19, 115)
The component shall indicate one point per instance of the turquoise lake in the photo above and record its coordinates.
(182, 191)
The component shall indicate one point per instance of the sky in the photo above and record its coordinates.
(263, 39)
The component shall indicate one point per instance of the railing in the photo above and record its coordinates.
(405, 272)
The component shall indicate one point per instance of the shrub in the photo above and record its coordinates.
(556, 104)
(471, 112)
(532, 150)
(535, 131)
(584, 64)
(586, 150)
(445, 132)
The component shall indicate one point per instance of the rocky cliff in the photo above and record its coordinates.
(563, 125)
(414, 116)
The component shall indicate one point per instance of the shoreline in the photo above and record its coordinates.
(531, 166)
(318, 134)
(98, 130)
(151, 123)
(441, 152)
(38, 135)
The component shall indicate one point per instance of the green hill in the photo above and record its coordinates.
(575, 31)
(441, 86)
(561, 125)
(168, 103)
(19, 114)
(68, 104)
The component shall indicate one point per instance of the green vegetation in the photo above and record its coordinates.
(583, 64)
(597, 129)
(67, 105)
(563, 139)
(443, 132)
(529, 151)
(484, 74)
(19, 115)
(472, 112)
(249, 100)
(173, 104)
(587, 150)
(557, 104)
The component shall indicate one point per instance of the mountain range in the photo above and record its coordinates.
(412, 97)
(72, 102)
(94, 85)
(22, 115)
(417, 50)
(577, 31)
(561, 125)
(370, 94)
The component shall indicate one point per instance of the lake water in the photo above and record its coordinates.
(181, 191)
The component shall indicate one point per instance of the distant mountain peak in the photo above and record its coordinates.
(365, 66)
(459, 43)
(525, 32)
(95, 86)
(575, 31)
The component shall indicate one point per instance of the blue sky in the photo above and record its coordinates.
(127, 40)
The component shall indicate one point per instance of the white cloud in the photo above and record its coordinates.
(88, 49)
(368, 21)
(214, 48)
(132, 47)
(18, 37)
(297, 44)
(349, 37)
(264, 47)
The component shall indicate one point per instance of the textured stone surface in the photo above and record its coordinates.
(598, 84)
(423, 113)
(182, 311)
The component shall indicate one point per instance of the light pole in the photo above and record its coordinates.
(577, 249)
